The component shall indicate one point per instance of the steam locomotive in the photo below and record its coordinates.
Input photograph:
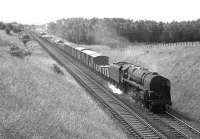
(152, 89)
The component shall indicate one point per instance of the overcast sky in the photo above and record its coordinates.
(43, 11)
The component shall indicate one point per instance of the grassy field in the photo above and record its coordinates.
(37, 103)
(181, 64)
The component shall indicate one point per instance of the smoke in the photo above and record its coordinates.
(84, 31)
(107, 35)
(154, 67)
(114, 89)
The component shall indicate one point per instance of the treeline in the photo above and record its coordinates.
(14, 27)
(116, 30)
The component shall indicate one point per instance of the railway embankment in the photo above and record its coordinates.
(181, 64)
(36, 102)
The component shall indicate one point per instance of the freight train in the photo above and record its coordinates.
(152, 89)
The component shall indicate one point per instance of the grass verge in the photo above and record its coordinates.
(37, 103)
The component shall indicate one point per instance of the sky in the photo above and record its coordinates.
(43, 11)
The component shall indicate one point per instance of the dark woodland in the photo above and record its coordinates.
(109, 30)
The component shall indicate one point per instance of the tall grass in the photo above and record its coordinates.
(37, 103)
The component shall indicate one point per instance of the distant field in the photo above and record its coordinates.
(37, 103)
(181, 64)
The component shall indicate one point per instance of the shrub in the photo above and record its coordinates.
(57, 69)
(8, 28)
(19, 52)
(17, 30)
(24, 37)
(2, 25)
(8, 31)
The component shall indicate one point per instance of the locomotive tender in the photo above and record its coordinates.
(150, 88)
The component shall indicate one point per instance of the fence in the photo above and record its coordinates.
(172, 44)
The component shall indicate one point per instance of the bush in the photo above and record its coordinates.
(17, 30)
(57, 69)
(2, 25)
(24, 37)
(8, 31)
(19, 52)
(8, 28)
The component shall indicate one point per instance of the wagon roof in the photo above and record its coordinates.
(70, 45)
(47, 36)
(105, 66)
(54, 38)
(66, 43)
(91, 53)
(59, 40)
(81, 48)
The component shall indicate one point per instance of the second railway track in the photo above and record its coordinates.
(180, 125)
(134, 123)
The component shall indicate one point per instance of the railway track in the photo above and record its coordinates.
(131, 121)
(180, 125)
(169, 122)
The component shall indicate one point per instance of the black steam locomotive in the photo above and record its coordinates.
(151, 88)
